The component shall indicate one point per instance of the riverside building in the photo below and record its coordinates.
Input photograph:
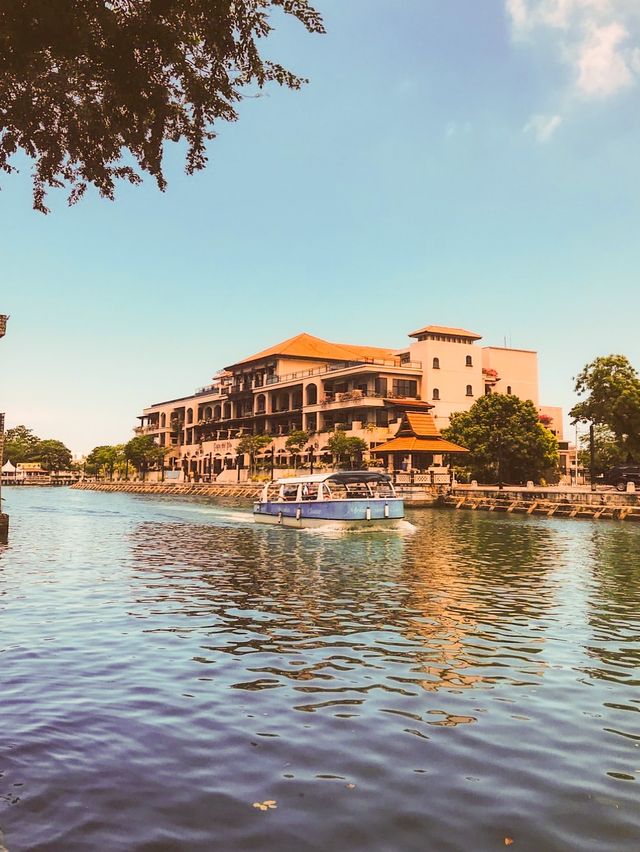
(306, 383)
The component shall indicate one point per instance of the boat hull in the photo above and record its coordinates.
(349, 514)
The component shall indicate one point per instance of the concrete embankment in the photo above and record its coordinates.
(550, 502)
(204, 489)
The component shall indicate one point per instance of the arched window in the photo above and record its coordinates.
(436, 393)
(163, 421)
(469, 390)
(207, 413)
(436, 363)
(189, 415)
(509, 389)
(312, 394)
(217, 412)
(261, 403)
(469, 361)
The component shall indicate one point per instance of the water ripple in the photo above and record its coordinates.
(164, 666)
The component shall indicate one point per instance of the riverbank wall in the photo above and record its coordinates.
(550, 502)
(535, 501)
(248, 490)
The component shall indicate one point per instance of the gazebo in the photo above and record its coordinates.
(8, 472)
(415, 444)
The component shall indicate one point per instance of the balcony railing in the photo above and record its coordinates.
(147, 430)
(345, 365)
(359, 397)
(394, 363)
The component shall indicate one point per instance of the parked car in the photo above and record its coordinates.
(621, 474)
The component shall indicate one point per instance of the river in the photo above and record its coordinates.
(174, 678)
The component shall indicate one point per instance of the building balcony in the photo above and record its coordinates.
(147, 430)
(348, 399)
(353, 366)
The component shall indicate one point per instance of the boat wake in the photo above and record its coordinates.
(337, 531)
(216, 514)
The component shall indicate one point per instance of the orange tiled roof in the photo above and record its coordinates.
(442, 329)
(401, 402)
(418, 445)
(368, 351)
(307, 346)
(420, 424)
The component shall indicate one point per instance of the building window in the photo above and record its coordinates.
(436, 363)
(509, 389)
(435, 394)
(469, 361)
(405, 387)
(381, 386)
(469, 390)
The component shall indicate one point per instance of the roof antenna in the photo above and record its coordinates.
(505, 341)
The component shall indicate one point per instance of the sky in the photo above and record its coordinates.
(466, 163)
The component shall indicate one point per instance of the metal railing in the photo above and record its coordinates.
(268, 381)
(344, 365)
(146, 430)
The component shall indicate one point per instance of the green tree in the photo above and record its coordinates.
(505, 439)
(346, 451)
(251, 445)
(20, 444)
(91, 89)
(53, 455)
(104, 459)
(296, 442)
(143, 452)
(612, 389)
(608, 451)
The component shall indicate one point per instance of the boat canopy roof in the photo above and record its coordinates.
(345, 476)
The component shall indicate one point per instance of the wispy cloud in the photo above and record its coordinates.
(543, 126)
(598, 39)
(454, 128)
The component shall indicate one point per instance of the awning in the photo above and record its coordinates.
(418, 445)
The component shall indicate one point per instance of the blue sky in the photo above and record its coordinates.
(461, 163)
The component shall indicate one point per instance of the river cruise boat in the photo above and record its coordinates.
(349, 499)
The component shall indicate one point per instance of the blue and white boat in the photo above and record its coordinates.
(350, 499)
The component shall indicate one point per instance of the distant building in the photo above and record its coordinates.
(306, 383)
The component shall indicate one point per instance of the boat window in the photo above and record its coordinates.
(383, 489)
(335, 490)
(309, 491)
(273, 492)
(357, 490)
(289, 493)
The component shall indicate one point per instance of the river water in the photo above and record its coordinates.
(467, 683)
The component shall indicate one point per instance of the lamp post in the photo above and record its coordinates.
(312, 451)
(592, 456)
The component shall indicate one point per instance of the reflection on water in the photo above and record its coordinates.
(167, 665)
